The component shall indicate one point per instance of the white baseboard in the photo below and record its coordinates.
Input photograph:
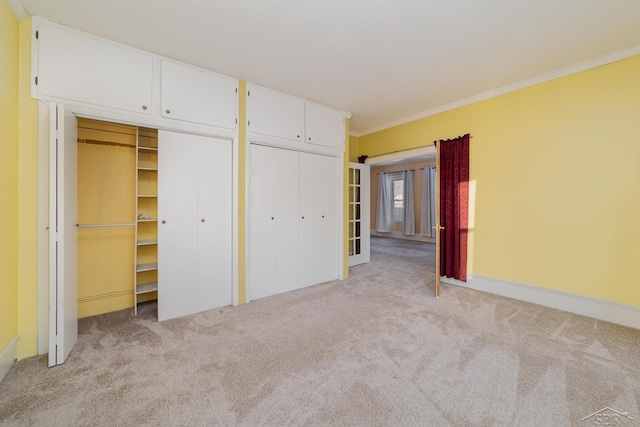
(399, 235)
(610, 311)
(8, 357)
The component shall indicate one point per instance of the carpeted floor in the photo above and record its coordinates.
(375, 350)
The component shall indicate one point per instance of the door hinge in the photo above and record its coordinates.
(248, 93)
(236, 90)
(249, 123)
(36, 80)
(37, 34)
(236, 120)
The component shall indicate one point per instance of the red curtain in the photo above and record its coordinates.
(454, 206)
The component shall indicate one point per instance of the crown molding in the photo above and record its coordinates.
(18, 10)
(552, 75)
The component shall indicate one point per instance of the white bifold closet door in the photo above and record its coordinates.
(293, 220)
(273, 221)
(194, 233)
(318, 219)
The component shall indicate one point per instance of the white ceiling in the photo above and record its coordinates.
(381, 60)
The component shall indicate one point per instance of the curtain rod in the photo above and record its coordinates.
(404, 170)
(451, 139)
(427, 167)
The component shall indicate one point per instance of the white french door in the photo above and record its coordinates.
(359, 213)
(63, 233)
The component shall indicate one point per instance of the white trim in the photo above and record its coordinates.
(8, 357)
(234, 220)
(286, 144)
(340, 203)
(398, 235)
(610, 311)
(43, 228)
(400, 156)
(18, 10)
(552, 75)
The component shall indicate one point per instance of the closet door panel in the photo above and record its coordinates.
(275, 114)
(83, 69)
(198, 96)
(318, 219)
(178, 227)
(273, 221)
(324, 126)
(214, 222)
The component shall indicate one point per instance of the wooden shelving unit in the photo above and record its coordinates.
(146, 246)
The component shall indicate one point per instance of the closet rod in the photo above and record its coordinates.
(105, 225)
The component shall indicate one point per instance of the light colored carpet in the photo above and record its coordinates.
(377, 349)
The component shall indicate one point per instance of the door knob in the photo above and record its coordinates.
(164, 222)
(202, 220)
(168, 111)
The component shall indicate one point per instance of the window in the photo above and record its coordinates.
(397, 193)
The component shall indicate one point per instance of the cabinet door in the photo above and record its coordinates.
(324, 126)
(198, 96)
(318, 219)
(178, 228)
(273, 221)
(82, 69)
(214, 222)
(275, 114)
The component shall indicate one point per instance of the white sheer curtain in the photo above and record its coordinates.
(383, 211)
(409, 223)
(428, 215)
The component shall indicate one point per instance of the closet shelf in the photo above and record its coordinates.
(146, 288)
(147, 149)
(147, 267)
(147, 242)
(147, 195)
(148, 220)
(148, 169)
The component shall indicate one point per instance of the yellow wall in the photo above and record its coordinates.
(107, 194)
(9, 138)
(27, 203)
(555, 180)
(354, 148)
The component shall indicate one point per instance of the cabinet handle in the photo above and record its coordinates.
(272, 218)
(322, 216)
(302, 217)
(309, 138)
(202, 220)
(144, 107)
(298, 136)
(164, 222)
(168, 111)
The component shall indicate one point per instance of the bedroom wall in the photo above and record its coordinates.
(555, 180)
(9, 42)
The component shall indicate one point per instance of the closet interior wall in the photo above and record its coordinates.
(107, 214)
(106, 195)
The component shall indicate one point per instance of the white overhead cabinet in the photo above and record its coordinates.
(275, 114)
(82, 69)
(194, 234)
(279, 115)
(293, 216)
(198, 96)
(324, 126)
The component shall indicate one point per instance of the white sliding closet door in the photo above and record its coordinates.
(63, 233)
(273, 221)
(318, 219)
(194, 234)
